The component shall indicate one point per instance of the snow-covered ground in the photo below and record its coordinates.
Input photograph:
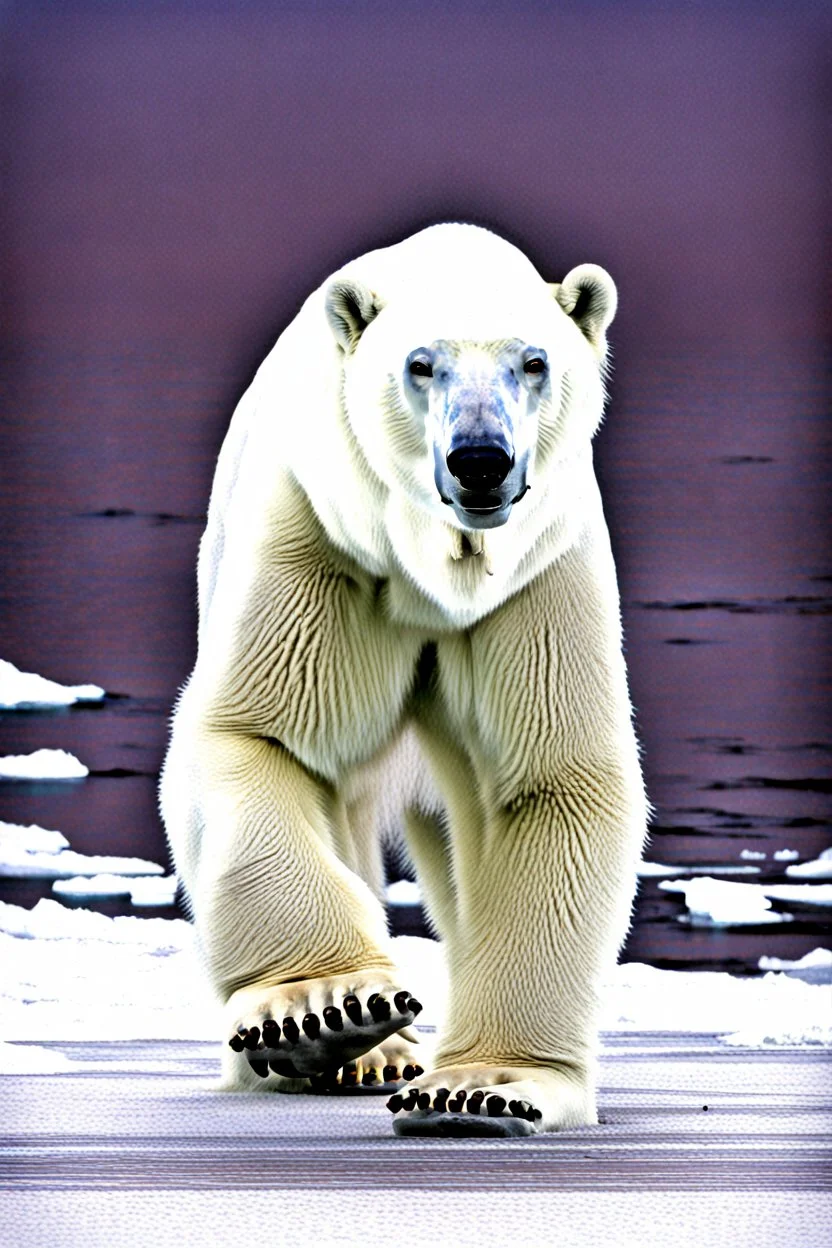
(74, 974)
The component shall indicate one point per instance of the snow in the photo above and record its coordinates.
(76, 975)
(25, 689)
(404, 893)
(30, 837)
(42, 765)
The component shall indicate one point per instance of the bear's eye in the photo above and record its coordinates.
(534, 365)
(420, 368)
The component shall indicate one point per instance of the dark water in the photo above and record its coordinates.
(177, 177)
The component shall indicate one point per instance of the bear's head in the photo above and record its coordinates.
(464, 373)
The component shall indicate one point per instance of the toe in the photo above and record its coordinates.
(251, 1039)
(440, 1101)
(353, 1011)
(312, 1026)
(379, 1008)
(290, 1030)
(271, 1033)
(391, 1074)
(475, 1101)
(333, 1018)
(494, 1106)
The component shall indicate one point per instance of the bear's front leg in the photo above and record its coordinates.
(293, 941)
(527, 726)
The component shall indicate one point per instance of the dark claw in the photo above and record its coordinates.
(495, 1106)
(414, 1006)
(312, 1026)
(423, 1100)
(517, 1108)
(536, 1115)
(368, 1077)
(390, 1074)
(349, 1076)
(290, 1030)
(532, 1113)
(409, 1072)
(236, 1043)
(352, 1009)
(455, 1106)
(333, 1019)
(260, 1068)
(271, 1033)
(379, 1008)
(475, 1100)
(401, 999)
(395, 1103)
(409, 1101)
(439, 1101)
(252, 1038)
(282, 1066)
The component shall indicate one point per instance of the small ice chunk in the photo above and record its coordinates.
(722, 903)
(153, 891)
(31, 838)
(647, 869)
(404, 893)
(25, 864)
(806, 894)
(819, 869)
(42, 765)
(93, 886)
(817, 958)
(145, 891)
(24, 689)
(752, 853)
(785, 855)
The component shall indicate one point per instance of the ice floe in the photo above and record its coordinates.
(31, 838)
(42, 765)
(819, 869)
(145, 890)
(25, 689)
(25, 863)
(723, 903)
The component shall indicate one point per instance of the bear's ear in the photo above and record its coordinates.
(587, 294)
(350, 306)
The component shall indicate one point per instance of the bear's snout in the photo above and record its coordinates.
(479, 467)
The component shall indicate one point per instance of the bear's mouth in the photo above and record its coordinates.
(481, 504)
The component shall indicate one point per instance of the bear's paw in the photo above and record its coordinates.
(317, 1026)
(484, 1100)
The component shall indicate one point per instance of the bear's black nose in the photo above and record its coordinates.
(479, 467)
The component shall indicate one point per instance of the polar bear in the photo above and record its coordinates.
(409, 618)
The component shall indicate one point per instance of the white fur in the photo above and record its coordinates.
(323, 494)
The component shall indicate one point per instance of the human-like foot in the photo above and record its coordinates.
(492, 1100)
(395, 1061)
(311, 1026)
